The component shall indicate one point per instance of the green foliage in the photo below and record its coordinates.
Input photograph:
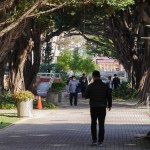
(120, 4)
(57, 86)
(52, 67)
(7, 119)
(104, 47)
(6, 101)
(87, 65)
(48, 105)
(45, 104)
(64, 60)
(76, 62)
(124, 92)
(44, 67)
(64, 76)
(21, 8)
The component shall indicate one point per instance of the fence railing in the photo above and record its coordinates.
(52, 76)
(56, 75)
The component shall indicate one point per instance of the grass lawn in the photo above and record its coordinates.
(7, 119)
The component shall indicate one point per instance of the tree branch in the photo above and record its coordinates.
(54, 9)
(87, 38)
(18, 21)
(48, 11)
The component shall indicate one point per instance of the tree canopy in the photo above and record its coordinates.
(111, 24)
(74, 61)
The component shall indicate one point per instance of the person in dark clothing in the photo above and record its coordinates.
(83, 84)
(100, 99)
(116, 82)
(70, 78)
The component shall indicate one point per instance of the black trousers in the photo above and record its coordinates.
(97, 113)
(83, 91)
(73, 96)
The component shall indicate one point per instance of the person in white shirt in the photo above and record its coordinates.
(72, 86)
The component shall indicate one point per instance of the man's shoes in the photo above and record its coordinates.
(94, 143)
(100, 144)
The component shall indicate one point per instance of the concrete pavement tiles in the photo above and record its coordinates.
(68, 128)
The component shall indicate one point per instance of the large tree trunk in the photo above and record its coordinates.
(2, 71)
(33, 62)
(144, 86)
(16, 67)
(126, 35)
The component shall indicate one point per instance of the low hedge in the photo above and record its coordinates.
(6, 101)
(57, 86)
(124, 92)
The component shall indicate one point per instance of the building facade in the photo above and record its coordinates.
(108, 64)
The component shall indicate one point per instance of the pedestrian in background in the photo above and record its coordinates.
(100, 99)
(116, 82)
(110, 83)
(72, 86)
(68, 80)
(83, 84)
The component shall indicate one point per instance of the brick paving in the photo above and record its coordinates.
(68, 128)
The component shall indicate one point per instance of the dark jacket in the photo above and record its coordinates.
(116, 82)
(83, 82)
(99, 94)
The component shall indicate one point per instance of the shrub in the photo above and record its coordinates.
(6, 101)
(57, 86)
(64, 76)
(48, 105)
(124, 92)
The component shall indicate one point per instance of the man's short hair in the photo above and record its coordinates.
(115, 75)
(96, 74)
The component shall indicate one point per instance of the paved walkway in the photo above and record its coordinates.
(68, 128)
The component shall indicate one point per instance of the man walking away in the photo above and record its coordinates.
(100, 99)
(116, 82)
(72, 85)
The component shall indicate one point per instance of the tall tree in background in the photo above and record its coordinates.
(74, 61)
(87, 65)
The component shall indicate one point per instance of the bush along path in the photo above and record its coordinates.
(124, 92)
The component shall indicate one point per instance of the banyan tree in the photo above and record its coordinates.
(126, 23)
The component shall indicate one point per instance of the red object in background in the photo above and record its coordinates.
(57, 80)
(39, 103)
(44, 79)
